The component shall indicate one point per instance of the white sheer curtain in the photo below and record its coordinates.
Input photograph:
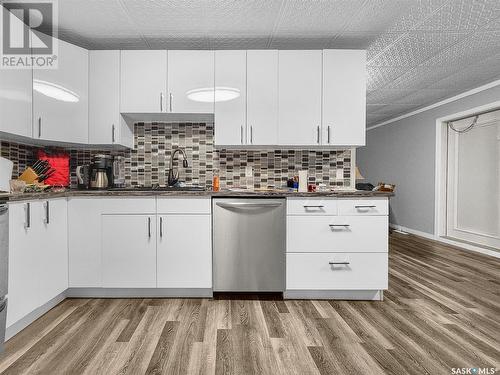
(473, 186)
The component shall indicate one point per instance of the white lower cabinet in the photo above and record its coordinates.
(337, 233)
(38, 258)
(53, 249)
(337, 245)
(336, 271)
(184, 251)
(128, 251)
(24, 288)
(140, 243)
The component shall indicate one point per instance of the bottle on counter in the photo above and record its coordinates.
(216, 181)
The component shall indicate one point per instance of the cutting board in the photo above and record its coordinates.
(5, 174)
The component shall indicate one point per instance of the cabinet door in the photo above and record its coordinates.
(129, 251)
(53, 249)
(299, 97)
(143, 79)
(24, 267)
(84, 249)
(191, 81)
(60, 97)
(344, 97)
(15, 101)
(104, 97)
(230, 104)
(262, 97)
(184, 260)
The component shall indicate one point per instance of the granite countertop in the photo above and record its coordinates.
(160, 193)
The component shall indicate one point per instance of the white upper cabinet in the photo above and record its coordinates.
(104, 97)
(143, 78)
(60, 97)
(231, 101)
(344, 97)
(262, 97)
(190, 81)
(15, 101)
(300, 97)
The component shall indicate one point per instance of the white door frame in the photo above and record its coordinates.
(441, 162)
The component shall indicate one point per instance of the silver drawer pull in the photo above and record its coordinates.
(339, 225)
(339, 263)
(314, 206)
(365, 206)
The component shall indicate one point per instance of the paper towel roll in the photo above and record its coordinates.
(5, 174)
(303, 181)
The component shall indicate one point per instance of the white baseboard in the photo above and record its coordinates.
(462, 245)
(21, 324)
(356, 295)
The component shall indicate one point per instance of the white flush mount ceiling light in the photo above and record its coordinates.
(55, 91)
(209, 94)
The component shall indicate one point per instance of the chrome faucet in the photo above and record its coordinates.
(173, 175)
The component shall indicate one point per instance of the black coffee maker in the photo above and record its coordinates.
(101, 172)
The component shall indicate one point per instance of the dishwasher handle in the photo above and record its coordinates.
(248, 204)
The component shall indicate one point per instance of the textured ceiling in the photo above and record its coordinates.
(419, 51)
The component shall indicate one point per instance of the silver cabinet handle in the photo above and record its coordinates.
(251, 134)
(161, 226)
(240, 205)
(149, 227)
(39, 127)
(241, 134)
(171, 98)
(328, 130)
(47, 212)
(317, 136)
(161, 102)
(370, 206)
(113, 133)
(27, 211)
(342, 263)
(314, 206)
(339, 225)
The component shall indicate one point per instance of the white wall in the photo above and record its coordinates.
(403, 153)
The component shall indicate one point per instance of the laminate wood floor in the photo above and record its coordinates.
(442, 311)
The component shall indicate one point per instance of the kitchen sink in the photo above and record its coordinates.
(161, 188)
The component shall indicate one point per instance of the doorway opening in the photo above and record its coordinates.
(470, 179)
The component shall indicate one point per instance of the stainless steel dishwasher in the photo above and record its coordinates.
(249, 245)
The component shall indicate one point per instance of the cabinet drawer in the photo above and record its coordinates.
(364, 207)
(192, 205)
(337, 233)
(311, 206)
(354, 271)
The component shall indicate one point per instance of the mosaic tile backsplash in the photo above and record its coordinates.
(147, 164)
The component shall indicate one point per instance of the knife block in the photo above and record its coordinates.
(29, 176)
